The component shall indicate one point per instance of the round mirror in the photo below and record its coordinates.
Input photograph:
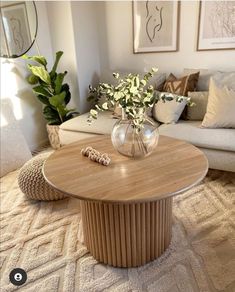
(18, 27)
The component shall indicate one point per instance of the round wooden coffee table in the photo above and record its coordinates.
(126, 206)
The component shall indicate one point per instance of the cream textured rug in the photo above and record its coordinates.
(43, 239)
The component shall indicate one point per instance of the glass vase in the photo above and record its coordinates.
(132, 141)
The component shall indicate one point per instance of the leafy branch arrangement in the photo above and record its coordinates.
(131, 93)
(50, 89)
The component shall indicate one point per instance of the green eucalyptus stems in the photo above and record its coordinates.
(131, 93)
(50, 89)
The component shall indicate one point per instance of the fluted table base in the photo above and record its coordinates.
(127, 235)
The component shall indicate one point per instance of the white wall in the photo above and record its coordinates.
(119, 44)
(27, 109)
(62, 39)
(85, 16)
(73, 28)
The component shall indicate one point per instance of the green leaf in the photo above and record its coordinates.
(116, 75)
(105, 106)
(57, 59)
(41, 90)
(65, 87)
(32, 79)
(137, 81)
(154, 70)
(93, 113)
(58, 82)
(71, 114)
(62, 110)
(51, 116)
(43, 99)
(143, 82)
(57, 100)
(41, 73)
(39, 59)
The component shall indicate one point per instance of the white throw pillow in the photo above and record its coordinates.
(225, 78)
(14, 149)
(170, 111)
(220, 111)
(198, 111)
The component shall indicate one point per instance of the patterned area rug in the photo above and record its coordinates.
(44, 238)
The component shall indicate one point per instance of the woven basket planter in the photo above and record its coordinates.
(53, 135)
(32, 183)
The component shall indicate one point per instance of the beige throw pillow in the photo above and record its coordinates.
(168, 112)
(198, 111)
(220, 108)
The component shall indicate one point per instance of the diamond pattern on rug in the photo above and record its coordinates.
(45, 239)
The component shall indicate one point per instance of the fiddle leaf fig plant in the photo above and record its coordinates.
(50, 89)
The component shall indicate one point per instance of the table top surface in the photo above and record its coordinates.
(173, 167)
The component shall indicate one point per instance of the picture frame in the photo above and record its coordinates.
(15, 26)
(155, 26)
(215, 26)
(4, 49)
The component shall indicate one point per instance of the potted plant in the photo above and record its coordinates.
(135, 135)
(52, 93)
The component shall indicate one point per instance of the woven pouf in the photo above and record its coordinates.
(32, 182)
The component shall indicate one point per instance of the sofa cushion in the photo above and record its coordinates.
(198, 111)
(67, 137)
(103, 124)
(220, 111)
(168, 111)
(222, 139)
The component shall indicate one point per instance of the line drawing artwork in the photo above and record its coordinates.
(221, 21)
(155, 25)
(16, 28)
(154, 19)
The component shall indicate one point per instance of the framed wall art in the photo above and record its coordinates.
(16, 29)
(216, 25)
(156, 26)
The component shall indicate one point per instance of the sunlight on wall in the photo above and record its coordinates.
(3, 121)
(9, 87)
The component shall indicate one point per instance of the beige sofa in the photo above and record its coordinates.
(217, 144)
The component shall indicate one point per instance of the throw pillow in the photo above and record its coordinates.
(220, 111)
(182, 85)
(14, 149)
(204, 77)
(168, 112)
(198, 111)
(225, 78)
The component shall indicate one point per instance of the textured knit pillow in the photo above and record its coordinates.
(168, 112)
(182, 85)
(220, 111)
(197, 112)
